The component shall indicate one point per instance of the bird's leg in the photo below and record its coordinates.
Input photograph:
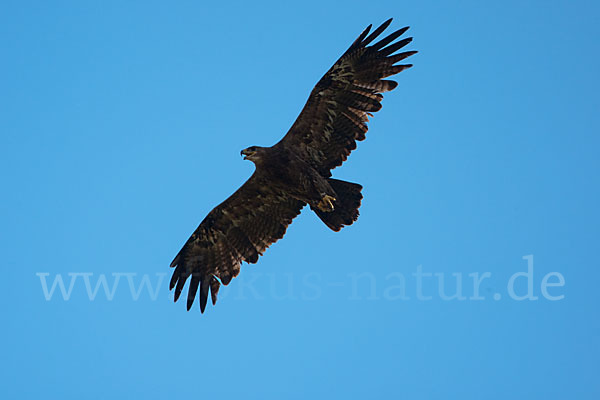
(326, 203)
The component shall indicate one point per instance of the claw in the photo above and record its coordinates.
(326, 203)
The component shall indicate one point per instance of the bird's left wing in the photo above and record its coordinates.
(338, 108)
(239, 229)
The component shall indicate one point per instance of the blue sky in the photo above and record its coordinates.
(121, 126)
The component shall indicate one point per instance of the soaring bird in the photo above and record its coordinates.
(296, 171)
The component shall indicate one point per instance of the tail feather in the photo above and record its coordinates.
(346, 205)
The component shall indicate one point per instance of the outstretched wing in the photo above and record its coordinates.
(239, 229)
(337, 111)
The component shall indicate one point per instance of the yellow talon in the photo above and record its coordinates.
(326, 203)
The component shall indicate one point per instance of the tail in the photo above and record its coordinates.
(346, 205)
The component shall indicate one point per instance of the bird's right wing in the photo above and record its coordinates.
(239, 229)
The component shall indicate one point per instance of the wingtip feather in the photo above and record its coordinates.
(361, 37)
(377, 32)
(204, 294)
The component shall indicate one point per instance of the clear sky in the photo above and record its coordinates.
(120, 128)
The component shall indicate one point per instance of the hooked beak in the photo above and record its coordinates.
(246, 153)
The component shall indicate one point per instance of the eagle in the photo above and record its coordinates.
(296, 171)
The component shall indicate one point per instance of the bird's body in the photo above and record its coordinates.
(296, 171)
(299, 179)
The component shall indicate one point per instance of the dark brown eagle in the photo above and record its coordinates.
(296, 171)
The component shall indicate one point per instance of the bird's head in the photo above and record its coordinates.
(253, 153)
